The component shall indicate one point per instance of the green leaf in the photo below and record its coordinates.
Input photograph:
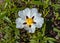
(51, 39)
(46, 3)
(32, 41)
(37, 2)
(57, 15)
(2, 14)
(58, 18)
(43, 30)
(7, 19)
(55, 29)
(56, 6)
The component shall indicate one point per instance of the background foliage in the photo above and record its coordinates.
(50, 31)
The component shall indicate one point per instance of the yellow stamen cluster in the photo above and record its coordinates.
(29, 21)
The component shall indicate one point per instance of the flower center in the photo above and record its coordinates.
(29, 21)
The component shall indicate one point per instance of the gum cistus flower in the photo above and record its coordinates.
(29, 19)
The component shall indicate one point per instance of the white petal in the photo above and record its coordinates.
(39, 14)
(24, 13)
(21, 14)
(39, 21)
(19, 23)
(34, 12)
(26, 27)
(27, 12)
(32, 29)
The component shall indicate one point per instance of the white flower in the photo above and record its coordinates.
(29, 19)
